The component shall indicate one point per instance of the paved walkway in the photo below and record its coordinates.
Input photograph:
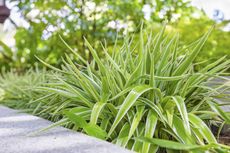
(225, 90)
(14, 127)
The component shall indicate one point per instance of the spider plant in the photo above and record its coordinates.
(20, 92)
(145, 96)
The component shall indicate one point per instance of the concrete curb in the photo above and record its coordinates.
(14, 127)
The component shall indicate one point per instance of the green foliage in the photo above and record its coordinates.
(145, 96)
(102, 20)
(95, 20)
(216, 46)
(21, 92)
(6, 56)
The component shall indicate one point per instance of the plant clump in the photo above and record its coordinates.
(145, 96)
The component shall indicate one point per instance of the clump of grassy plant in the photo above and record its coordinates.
(145, 96)
(20, 91)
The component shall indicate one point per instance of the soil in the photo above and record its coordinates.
(225, 138)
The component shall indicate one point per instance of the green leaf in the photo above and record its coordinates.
(136, 120)
(196, 50)
(128, 103)
(89, 128)
(170, 144)
(220, 112)
(150, 126)
(97, 108)
(97, 59)
(183, 111)
(203, 129)
(74, 52)
(122, 138)
(95, 130)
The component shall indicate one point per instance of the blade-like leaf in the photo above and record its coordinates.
(128, 103)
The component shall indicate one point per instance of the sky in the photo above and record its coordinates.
(210, 6)
(215, 9)
(220, 8)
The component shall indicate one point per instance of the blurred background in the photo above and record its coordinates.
(34, 27)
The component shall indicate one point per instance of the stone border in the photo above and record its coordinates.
(14, 127)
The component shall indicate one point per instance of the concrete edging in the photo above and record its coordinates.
(14, 127)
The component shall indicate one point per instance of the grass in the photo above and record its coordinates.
(145, 96)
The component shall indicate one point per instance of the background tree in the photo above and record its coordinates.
(96, 20)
